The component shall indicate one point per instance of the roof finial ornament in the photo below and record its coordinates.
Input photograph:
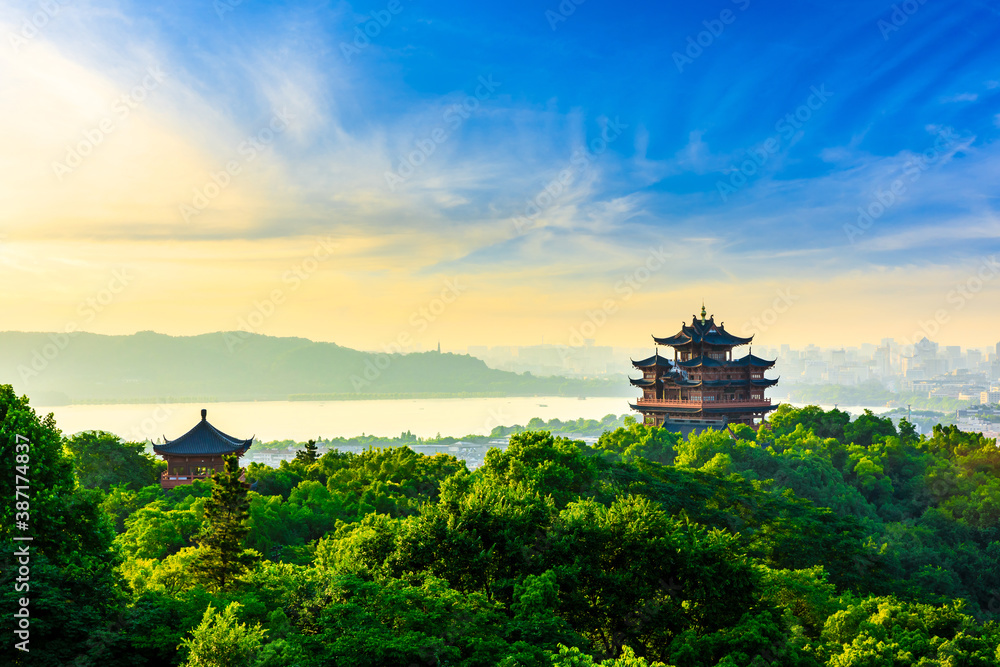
(204, 413)
(702, 311)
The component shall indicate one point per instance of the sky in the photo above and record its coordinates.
(391, 174)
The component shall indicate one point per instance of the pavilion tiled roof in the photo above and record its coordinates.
(706, 408)
(695, 362)
(752, 360)
(709, 362)
(203, 439)
(655, 360)
(684, 382)
(703, 332)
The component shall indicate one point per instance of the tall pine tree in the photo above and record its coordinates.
(309, 454)
(222, 556)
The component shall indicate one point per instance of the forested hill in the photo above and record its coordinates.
(60, 368)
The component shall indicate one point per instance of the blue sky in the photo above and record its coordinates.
(640, 131)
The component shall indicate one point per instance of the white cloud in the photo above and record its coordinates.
(961, 97)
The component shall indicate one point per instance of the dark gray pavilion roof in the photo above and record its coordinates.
(707, 408)
(695, 362)
(752, 360)
(703, 332)
(655, 360)
(203, 439)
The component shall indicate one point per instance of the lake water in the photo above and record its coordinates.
(301, 420)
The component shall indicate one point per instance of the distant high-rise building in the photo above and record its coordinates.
(815, 370)
(882, 360)
(925, 349)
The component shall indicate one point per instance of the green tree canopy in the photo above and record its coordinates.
(102, 459)
(220, 640)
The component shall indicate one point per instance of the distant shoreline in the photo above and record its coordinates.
(400, 396)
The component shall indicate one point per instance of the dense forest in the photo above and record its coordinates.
(815, 540)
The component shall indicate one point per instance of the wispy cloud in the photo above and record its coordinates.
(352, 122)
(961, 97)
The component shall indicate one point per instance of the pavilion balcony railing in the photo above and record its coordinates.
(190, 477)
(185, 477)
(734, 403)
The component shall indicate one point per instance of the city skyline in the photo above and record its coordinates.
(369, 172)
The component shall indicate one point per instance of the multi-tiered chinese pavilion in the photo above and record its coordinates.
(198, 453)
(702, 386)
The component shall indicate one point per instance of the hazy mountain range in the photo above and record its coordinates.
(232, 366)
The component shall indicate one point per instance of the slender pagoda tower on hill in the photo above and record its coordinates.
(197, 454)
(702, 386)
